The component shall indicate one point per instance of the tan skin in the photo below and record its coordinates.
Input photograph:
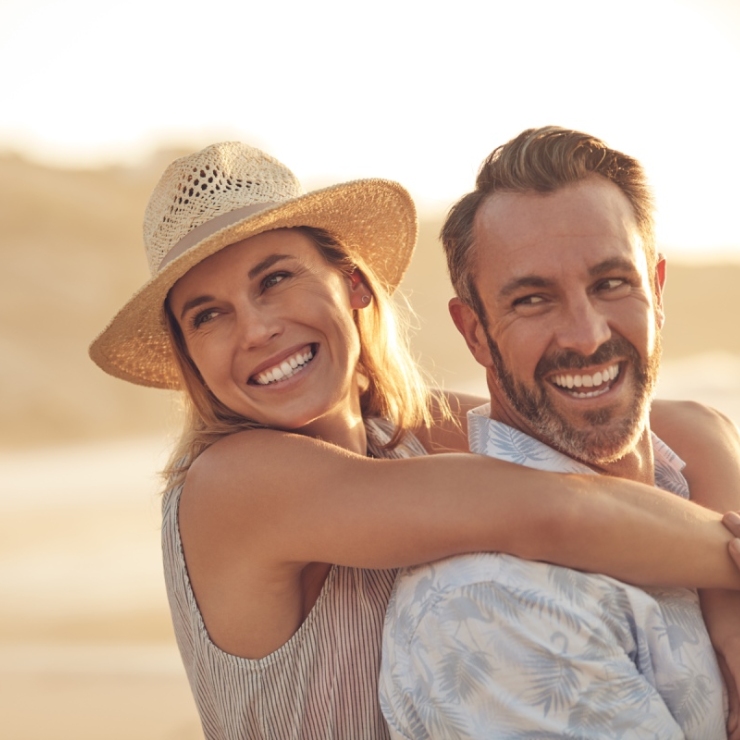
(258, 533)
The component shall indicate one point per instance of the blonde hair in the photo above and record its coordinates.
(394, 388)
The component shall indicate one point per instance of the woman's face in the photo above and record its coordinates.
(268, 323)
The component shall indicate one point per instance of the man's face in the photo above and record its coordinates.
(571, 344)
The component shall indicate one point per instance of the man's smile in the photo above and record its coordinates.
(587, 385)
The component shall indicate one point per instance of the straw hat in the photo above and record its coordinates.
(221, 195)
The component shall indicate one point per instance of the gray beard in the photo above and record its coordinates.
(607, 438)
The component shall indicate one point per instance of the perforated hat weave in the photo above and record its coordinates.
(219, 196)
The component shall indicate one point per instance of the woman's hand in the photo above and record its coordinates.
(731, 520)
(721, 610)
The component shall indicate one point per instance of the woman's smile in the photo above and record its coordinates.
(292, 365)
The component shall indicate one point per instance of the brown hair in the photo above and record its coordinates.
(541, 160)
(392, 385)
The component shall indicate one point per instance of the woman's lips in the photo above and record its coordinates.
(286, 368)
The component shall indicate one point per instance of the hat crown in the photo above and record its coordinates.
(199, 187)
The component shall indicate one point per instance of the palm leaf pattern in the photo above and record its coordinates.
(484, 645)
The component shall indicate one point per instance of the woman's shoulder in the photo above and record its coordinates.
(243, 456)
(250, 465)
(234, 471)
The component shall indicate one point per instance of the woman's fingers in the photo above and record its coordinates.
(731, 520)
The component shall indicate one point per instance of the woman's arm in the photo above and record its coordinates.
(281, 498)
(449, 432)
(709, 443)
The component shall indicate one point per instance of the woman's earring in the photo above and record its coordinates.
(366, 299)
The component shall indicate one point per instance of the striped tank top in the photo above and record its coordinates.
(320, 685)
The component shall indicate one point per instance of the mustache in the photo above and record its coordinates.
(614, 347)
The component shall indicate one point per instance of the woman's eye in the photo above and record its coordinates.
(203, 317)
(273, 279)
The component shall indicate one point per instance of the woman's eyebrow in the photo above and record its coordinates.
(194, 303)
(266, 263)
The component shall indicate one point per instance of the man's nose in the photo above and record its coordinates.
(582, 327)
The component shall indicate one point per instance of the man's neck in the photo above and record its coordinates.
(637, 465)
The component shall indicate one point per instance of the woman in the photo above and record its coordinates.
(270, 308)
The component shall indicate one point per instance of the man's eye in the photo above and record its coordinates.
(612, 283)
(529, 300)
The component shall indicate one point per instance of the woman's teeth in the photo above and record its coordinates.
(286, 369)
(571, 381)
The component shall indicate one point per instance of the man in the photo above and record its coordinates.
(559, 298)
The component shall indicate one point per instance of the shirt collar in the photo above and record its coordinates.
(494, 438)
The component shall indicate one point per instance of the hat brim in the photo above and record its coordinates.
(373, 219)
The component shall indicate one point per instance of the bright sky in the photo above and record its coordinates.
(417, 91)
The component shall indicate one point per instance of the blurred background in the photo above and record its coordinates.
(98, 98)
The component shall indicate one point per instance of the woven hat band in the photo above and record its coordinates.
(199, 233)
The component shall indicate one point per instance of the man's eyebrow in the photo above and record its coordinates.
(536, 281)
(266, 264)
(526, 281)
(614, 263)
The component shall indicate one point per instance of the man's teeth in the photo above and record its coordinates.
(587, 381)
(285, 369)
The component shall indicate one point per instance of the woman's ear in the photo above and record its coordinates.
(359, 294)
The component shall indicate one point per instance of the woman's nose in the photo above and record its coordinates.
(255, 325)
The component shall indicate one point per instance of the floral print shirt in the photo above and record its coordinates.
(491, 646)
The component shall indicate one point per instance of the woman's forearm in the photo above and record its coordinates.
(329, 505)
(633, 532)
(650, 537)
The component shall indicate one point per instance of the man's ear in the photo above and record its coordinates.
(473, 331)
(658, 285)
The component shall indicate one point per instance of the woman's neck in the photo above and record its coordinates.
(346, 430)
